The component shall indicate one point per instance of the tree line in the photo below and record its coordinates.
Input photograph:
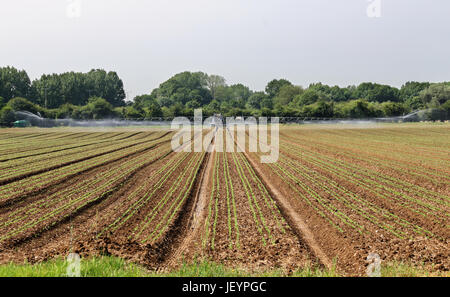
(98, 94)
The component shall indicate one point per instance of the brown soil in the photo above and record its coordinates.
(159, 208)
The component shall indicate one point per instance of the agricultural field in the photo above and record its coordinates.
(336, 194)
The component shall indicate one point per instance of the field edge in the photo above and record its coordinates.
(109, 266)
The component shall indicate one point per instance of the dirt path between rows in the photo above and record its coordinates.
(198, 212)
(299, 224)
(295, 220)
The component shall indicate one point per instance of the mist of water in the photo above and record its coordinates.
(38, 120)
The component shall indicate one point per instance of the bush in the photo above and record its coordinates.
(65, 111)
(7, 116)
(391, 109)
(22, 104)
(132, 113)
(358, 109)
(97, 108)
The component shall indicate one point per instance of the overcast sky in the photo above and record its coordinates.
(247, 41)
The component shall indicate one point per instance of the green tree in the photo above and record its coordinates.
(22, 104)
(132, 113)
(322, 109)
(154, 111)
(14, 83)
(391, 109)
(98, 108)
(266, 103)
(106, 85)
(360, 108)
(65, 111)
(213, 82)
(412, 89)
(274, 86)
(435, 95)
(182, 88)
(144, 101)
(415, 103)
(7, 116)
(286, 94)
(256, 99)
(52, 91)
(376, 92)
(308, 97)
(446, 108)
(193, 104)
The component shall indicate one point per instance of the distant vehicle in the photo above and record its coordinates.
(21, 124)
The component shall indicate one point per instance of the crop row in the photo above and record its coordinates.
(32, 149)
(14, 144)
(404, 149)
(183, 190)
(35, 182)
(350, 202)
(91, 182)
(392, 184)
(61, 204)
(153, 196)
(376, 158)
(253, 196)
(145, 193)
(29, 166)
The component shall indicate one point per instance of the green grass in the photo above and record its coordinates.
(94, 267)
(405, 270)
(117, 267)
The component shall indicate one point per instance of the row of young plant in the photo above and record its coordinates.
(258, 216)
(231, 209)
(381, 178)
(256, 194)
(376, 157)
(161, 200)
(14, 139)
(269, 202)
(340, 173)
(91, 182)
(259, 196)
(37, 148)
(27, 185)
(28, 166)
(61, 204)
(350, 172)
(28, 148)
(291, 181)
(426, 138)
(433, 147)
(423, 165)
(221, 175)
(302, 187)
(211, 219)
(145, 193)
(382, 184)
(351, 202)
(185, 190)
(38, 155)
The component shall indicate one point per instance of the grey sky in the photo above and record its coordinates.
(247, 41)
